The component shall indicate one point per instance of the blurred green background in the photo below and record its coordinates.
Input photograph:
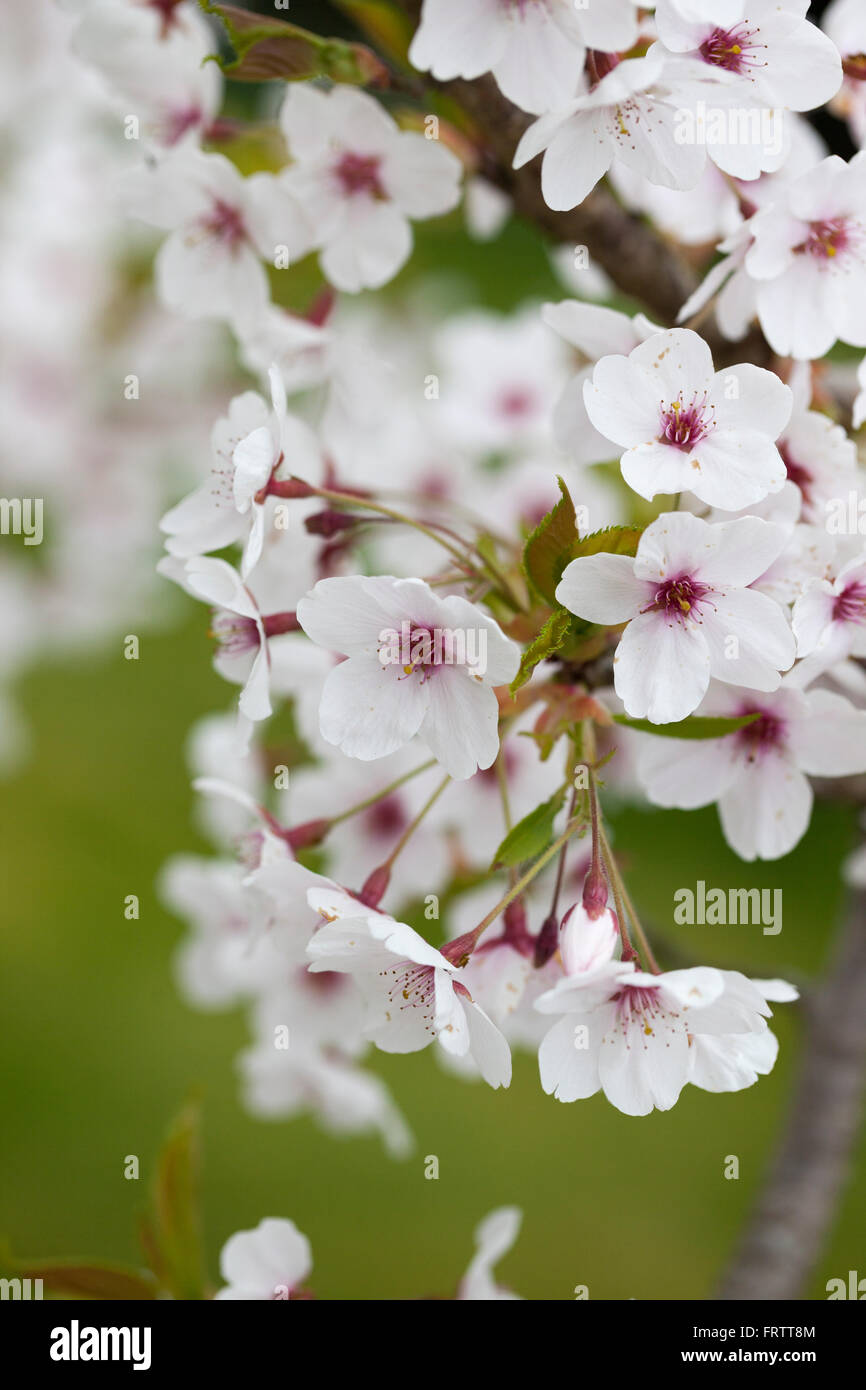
(100, 1053)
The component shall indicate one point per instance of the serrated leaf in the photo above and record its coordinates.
(611, 540)
(548, 549)
(267, 49)
(530, 836)
(549, 640)
(695, 727)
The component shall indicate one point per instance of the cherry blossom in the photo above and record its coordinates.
(807, 260)
(632, 1034)
(269, 1263)
(221, 226)
(829, 620)
(494, 1237)
(764, 48)
(413, 992)
(687, 428)
(759, 775)
(535, 51)
(374, 703)
(359, 179)
(629, 116)
(689, 612)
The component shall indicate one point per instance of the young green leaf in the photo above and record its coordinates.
(530, 836)
(549, 548)
(696, 726)
(267, 49)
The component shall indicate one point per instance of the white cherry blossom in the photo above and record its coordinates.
(269, 1263)
(360, 179)
(689, 611)
(687, 428)
(759, 774)
(630, 115)
(441, 688)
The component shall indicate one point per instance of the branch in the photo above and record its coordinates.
(788, 1228)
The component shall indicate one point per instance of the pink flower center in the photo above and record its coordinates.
(388, 817)
(234, 633)
(516, 403)
(359, 173)
(411, 986)
(683, 426)
(797, 472)
(766, 734)
(178, 122)
(828, 239)
(679, 598)
(224, 223)
(735, 49)
(165, 9)
(850, 605)
(641, 1015)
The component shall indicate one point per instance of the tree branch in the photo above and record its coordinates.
(789, 1225)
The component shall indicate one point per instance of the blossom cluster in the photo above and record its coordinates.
(679, 626)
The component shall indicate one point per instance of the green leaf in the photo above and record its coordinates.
(530, 836)
(696, 726)
(549, 640)
(267, 49)
(549, 548)
(612, 540)
(173, 1237)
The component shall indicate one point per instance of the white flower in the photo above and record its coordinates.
(626, 1033)
(248, 446)
(807, 260)
(152, 56)
(818, 455)
(499, 381)
(586, 943)
(735, 1060)
(494, 1237)
(689, 611)
(414, 993)
(345, 1099)
(765, 49)
(268, 1263)
(630, 115)
(829, 621)
(417, 664)
(594, 331)
(687, 428)
(242, 656)
(359, 179)
(222, 227)
(759, 774)
(844, 21)
(535, 51)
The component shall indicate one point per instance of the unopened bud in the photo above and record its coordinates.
(594, 893)
(375, 886)
(546, 942)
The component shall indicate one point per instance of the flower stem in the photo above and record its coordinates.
(380, 795)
